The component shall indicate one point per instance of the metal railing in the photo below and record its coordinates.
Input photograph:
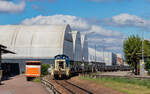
(46, 83)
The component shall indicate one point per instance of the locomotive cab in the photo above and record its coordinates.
(60, 64)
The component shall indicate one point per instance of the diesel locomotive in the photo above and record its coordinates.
(61, 66)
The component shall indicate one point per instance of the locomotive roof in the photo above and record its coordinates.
(61, 56)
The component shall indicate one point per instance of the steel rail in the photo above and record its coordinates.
(71, 91)
(65, 87)
(79, 87)
(50, 86)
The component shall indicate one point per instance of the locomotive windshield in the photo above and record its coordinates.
(61, 64)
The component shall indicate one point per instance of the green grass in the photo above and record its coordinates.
(37, 79)
(127, 86)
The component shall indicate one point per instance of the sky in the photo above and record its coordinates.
(105, 22)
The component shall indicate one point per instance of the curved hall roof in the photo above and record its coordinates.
(77, 50)
(84, 45)
(34, 40)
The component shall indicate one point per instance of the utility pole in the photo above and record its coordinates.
(95, 57)
(142, 64)
(142, 61)
(103, 51)
(142, 47)
(103, 54)
(95, 53)
(83, 57)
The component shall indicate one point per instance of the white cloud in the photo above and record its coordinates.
(10, 7)
(109, 43)
(76, 23)
(112, 40)
(127, 20)
(94, 32)
(114, 48)
(99, 30)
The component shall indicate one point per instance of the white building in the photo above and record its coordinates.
(119, 59)
(95, 55)
(108, 58)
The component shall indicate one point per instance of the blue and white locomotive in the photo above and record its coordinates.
(61, 66)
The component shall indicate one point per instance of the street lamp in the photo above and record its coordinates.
(142, 46)
(103, 53)
(83, 48)
(142, 64)
(103, 50)
(95, 54)
(142, 43)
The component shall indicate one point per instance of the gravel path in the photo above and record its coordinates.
(118, 73)
(19, 85)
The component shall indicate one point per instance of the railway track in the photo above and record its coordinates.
(72, 88)
(63, 86)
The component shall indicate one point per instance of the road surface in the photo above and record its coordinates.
(19, 85)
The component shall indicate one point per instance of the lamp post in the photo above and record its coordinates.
(95, 54)
(103, 55)
(83, 54)
(95, 57)
(103, 50)
(84, 41)
(142, 42)
(142, 47)
(142, 64)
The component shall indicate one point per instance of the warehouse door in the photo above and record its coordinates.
(10, 69)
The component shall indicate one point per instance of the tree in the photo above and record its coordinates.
(133, 52)
(146, 49)
(147, 65)
(132, 49)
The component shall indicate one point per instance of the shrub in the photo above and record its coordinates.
(37, 79)
(22, 72)
(148, 71)
(45, 69)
